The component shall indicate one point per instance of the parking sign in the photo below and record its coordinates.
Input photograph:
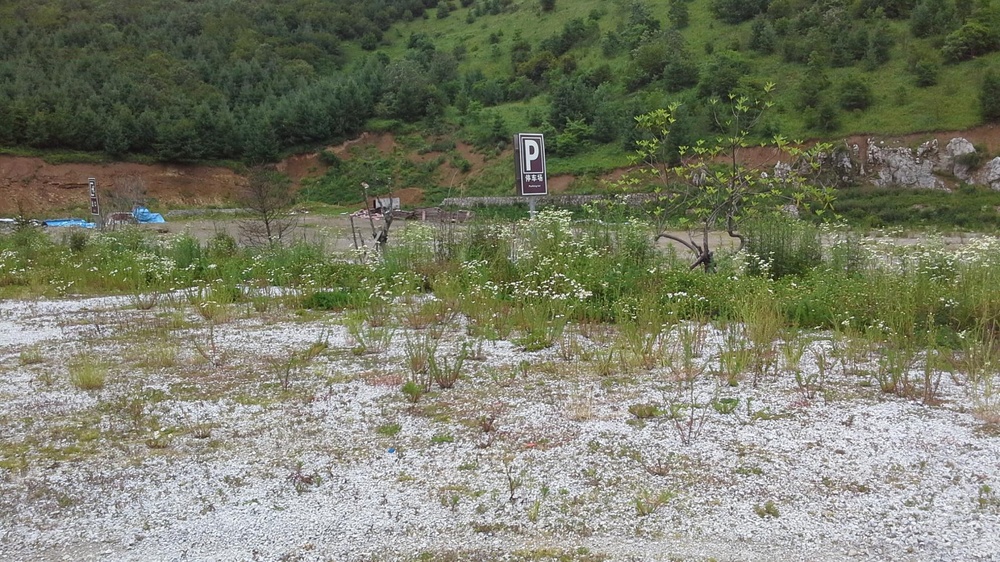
(529, 160)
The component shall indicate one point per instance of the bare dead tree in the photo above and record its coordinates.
(126, 193)
(380, 234)
(267, 196)
(121, 199)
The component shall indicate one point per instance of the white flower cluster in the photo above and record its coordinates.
(417, 235)
(8, 260)
(556, 287)
(379, 289)
(681, 296)
(933, 257)
(157, 268)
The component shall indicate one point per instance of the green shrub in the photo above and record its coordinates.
(328, 300)
(76, 241)
(187, 252)
(87, 373)
(221, 245)
(855, 93)
(782, 246)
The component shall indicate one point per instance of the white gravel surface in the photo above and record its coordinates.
(305, 473)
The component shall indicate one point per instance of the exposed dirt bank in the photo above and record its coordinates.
(37, 188)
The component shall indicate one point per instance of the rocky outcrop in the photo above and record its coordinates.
(989, 175)
(901, 166)
(954, 159)
(928, 166)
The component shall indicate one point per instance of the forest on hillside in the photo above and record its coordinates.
(247, 80)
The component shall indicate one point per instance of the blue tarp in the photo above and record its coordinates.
(145, 216)
(141, 214)
(69, 222)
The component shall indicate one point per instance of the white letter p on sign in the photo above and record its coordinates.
(531, 153)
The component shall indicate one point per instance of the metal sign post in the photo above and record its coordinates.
(529, 163)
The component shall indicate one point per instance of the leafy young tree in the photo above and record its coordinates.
(722, 74)
(678, 14)
(572, 100)
(925, 64)
(855, 93)
(932, 17)
(879, 43)
(814, 83)
(714, 187)
(762, 36)
(638, 24)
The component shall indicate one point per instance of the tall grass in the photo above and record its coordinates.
(87, 372)
(532, 277)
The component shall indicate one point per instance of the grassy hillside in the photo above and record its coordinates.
(898, 105)
(191, 81)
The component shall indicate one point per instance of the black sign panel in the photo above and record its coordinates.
(529, 157)
(95, 209)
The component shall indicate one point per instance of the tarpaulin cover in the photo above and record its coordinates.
(69, 222)
(145, 216)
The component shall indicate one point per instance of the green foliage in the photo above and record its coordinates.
(970, 208)
(778, 245)
(342, 185)
(572, 139)
(969, 41)
(413, 391)
(186, 81)
(678, 13)
(662, 56)
(259, 80)
(763, 39)
(575, 32)
(736, 11)
(932, 17)
(824, 118)
(722, 74)
(989, 97)
(638, 23)
(411, 92)
(855, 93)
(814, 84)
(767, 510)
(328, 300)
(925, 65)
(389, 429)
(565, 271)
(572, 100)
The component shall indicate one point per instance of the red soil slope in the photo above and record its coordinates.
(37, 188)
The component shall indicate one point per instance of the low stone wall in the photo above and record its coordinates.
(543, 200)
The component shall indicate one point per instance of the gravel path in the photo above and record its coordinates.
(207, 457)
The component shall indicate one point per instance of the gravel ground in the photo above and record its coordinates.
(208, 457)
